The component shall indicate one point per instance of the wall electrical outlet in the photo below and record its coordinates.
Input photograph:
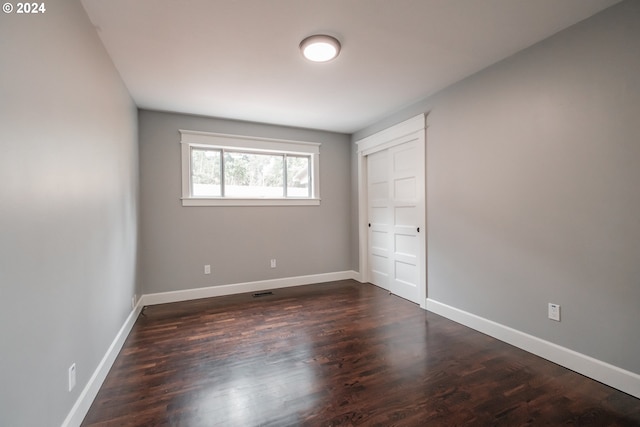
(554, 312)
(207, 269)
(273, 263)
(133, 301)
(72, 376)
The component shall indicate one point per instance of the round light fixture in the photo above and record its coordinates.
(320, 48)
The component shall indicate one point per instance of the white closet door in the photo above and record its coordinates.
(379, 214)
(396, 207)
(407, 206)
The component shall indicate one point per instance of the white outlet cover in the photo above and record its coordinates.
(554, 312)
(207, 269)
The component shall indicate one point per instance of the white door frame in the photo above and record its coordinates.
(409, 130)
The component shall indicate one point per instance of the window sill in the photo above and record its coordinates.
(203, 201)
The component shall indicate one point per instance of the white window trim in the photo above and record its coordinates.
(190, 138)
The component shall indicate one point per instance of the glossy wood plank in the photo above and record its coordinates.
(336, 354)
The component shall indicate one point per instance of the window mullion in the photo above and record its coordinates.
(222, 180)
(285, 178)
(191, 167)
(310, 173)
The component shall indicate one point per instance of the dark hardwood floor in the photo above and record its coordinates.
(336, 354)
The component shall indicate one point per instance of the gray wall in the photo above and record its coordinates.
(533, 189)
(68, 209)
(237, 242)
(355, 232)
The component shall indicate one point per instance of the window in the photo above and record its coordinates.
(231, 170)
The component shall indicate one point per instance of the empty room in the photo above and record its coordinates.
(319, 213)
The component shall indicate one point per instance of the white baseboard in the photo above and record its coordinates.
(358, 276)
(84, 401)
(239, 288)
(621, 379)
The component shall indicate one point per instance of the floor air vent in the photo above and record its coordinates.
(262, 294)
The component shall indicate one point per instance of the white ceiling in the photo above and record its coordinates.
(239, 59)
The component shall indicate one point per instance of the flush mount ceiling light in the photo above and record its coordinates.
(320, 48)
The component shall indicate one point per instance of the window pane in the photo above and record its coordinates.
(205, 172)
(298, 168)
(253, 175)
